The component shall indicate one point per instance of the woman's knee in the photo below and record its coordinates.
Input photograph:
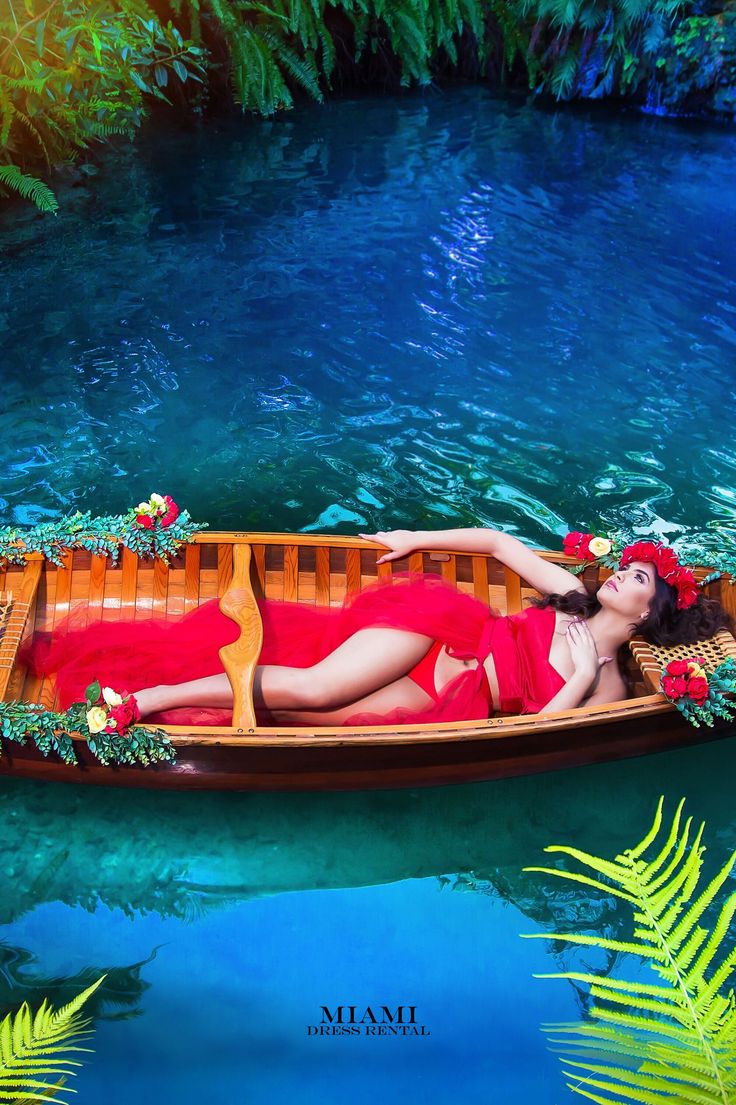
(316, 691)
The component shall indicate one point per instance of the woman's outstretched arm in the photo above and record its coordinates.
(545, 577)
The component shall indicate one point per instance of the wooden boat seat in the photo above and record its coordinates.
(653, 658)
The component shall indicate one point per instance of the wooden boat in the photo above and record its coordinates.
(238, 567)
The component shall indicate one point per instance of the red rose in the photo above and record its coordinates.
(678, 667)
(697, 688)
(645, 551)
(144, 520)
(687, 595)
(126, 713)
(172, 512)
(584, 552)
(571, 542)
(674, 687)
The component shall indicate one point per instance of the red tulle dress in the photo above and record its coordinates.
(128, 655)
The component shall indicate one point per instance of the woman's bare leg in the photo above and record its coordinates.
(369, 660)
(402, 692)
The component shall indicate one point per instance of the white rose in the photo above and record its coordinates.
(96, 719)
(157, 501)
(143, 508)
(111, 697)
(599, 546)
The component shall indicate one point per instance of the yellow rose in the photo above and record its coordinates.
(696, 670)
(96, 719)
(599, 546)
(143, 508)
(111, 697)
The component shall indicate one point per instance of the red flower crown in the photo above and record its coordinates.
(668, 568)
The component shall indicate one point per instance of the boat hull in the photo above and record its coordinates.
(360, 765)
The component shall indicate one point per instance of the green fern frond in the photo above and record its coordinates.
(678, 1040)
(29, 188)
(30, 1047)
(32, 130)
(563, 74)
(304, 70)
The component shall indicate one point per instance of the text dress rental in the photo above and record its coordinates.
(128, 655)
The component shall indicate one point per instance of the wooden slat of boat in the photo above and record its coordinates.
(128, 582)
(63, 585)
(449, 569)
(513, 591)
(96, 587)
(23, 597)
(480, 577)
(241, 657)
(291, 573)
(258, 569)
(61, 605)
(416, 562)
(192, 559)
(352, 570)
(224, 568)
(322, 576)
(385, 570)
(159, 587)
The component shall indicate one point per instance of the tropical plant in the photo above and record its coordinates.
(656, 1043)
(270, 44)
(30, 1047)
(592, 48)
(76, 71)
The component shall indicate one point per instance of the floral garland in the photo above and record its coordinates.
(155, 527)
(717, 549)
(51, 732)
(699, 697)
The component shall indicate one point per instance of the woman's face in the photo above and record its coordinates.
(629, 590)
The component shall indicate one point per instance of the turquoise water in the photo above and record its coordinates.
(430, 310)
(227, 920)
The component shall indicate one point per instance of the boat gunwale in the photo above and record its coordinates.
(496, 728)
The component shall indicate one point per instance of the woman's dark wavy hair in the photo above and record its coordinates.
(665, 625)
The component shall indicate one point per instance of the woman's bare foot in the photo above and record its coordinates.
(151, 699)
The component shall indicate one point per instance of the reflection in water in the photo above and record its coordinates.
(116, 999)
(182, 855)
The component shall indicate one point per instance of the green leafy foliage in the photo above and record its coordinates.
(32, 1047)
(669, 1041)
(51, 731)
(102, 536)
(588, 48)
(73, 72)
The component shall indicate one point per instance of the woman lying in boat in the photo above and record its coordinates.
(411, 649)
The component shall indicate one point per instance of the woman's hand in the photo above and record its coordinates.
(400, 541)
(585, 656)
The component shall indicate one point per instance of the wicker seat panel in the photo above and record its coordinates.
(653, 658)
